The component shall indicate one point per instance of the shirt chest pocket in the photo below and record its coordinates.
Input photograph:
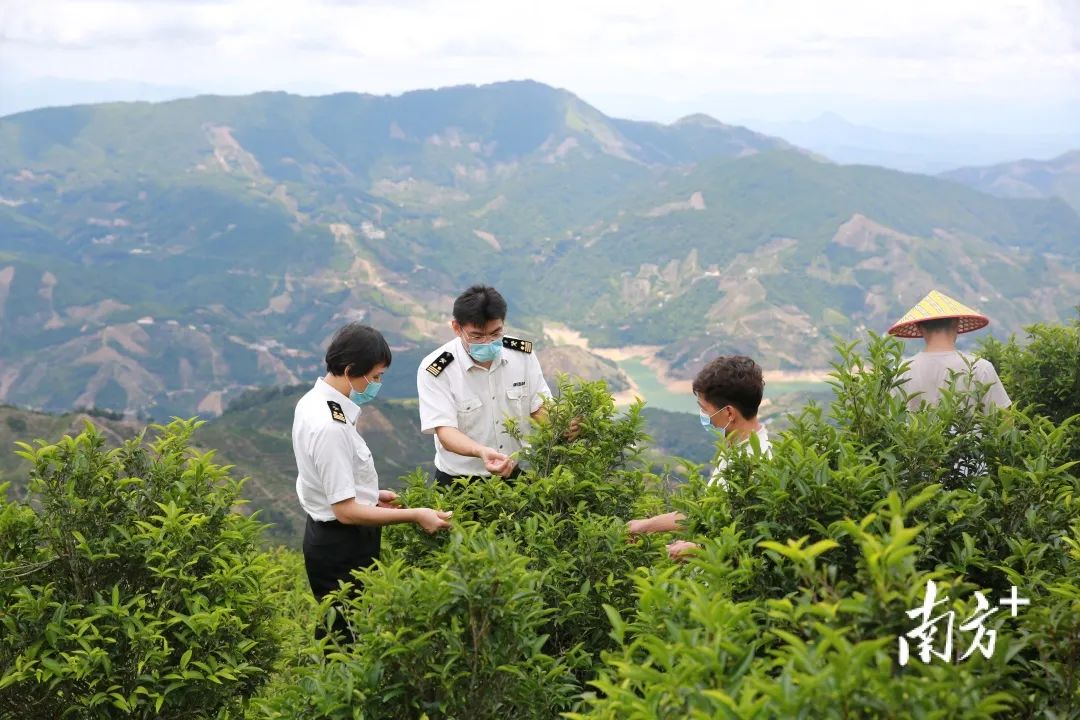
(363, 455)
(517, 400)
(469, 414)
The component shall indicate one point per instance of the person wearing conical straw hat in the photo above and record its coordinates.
(938, 320)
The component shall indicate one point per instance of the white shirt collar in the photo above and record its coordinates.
(351, 409)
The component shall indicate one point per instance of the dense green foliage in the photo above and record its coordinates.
(1044, 372)
(811, 563)
(131, 587)
(811, 560)
(460, 635)
(552, 545)
(797, 600)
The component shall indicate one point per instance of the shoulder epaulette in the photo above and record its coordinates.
(440, 363)
(524, 346)
(336, 412)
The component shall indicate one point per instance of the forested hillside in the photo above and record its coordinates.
(174, 255)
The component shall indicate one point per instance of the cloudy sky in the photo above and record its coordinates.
(991, 65)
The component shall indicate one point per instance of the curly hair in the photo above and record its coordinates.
(732, 380)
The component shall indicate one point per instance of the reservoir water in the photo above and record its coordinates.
(657, 395)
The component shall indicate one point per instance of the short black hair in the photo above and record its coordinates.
(479, 305)
(355, 349)
(732, 380)
(938, 324)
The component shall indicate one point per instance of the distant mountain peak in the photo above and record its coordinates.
(833, 117)
(700, 119)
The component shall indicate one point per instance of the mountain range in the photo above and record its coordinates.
(1058, 177)
(162, 258)
(917, 150)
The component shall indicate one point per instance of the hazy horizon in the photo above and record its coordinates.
(924, 68)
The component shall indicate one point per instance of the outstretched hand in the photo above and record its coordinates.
(680, 550)
(433, 520)
(388, 499)
(496, 462)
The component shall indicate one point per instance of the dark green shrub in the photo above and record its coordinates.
(532, 563)
(130, 587)
(795, 610)
(810, 562)
(568, 520)
(461, 638)
(1005, 475)
(828, 649)
(606, 442)
(1044, 373)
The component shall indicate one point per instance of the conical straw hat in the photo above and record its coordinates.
(937, 306)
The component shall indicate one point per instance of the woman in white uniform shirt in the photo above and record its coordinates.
(336, 482)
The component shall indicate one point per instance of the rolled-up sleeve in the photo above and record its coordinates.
(436, 402)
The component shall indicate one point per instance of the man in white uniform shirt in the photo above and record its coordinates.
(729, 391)
(470, 386)
(336, 482)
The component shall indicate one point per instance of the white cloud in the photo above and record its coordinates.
(919, 52)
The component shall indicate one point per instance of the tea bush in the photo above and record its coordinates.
(533, 562)
(825, 650)
(129, 587)
(795, 609)
(1007, 477)
(569, 520)
(460, 638)
(1044, 373)
(812, 565)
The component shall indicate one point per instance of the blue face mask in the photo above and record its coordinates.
(368, 395)
(706, 422)
(485, 352)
